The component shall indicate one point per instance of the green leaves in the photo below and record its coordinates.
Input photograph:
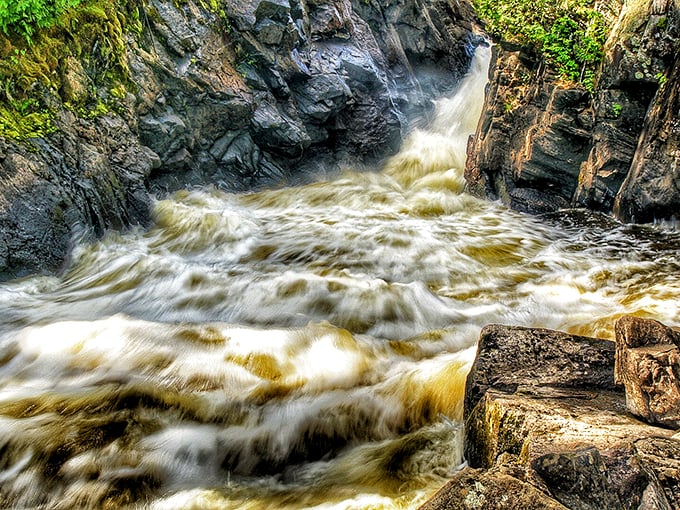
(570, 34)
(24, 17)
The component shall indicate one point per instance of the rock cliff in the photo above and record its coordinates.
(544, 144)
(233, 94)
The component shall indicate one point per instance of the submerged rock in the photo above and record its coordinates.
(546, 427)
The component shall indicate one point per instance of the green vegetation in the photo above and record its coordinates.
(61, 51)
(570, 34)
(617, 109)
(661, 79)
(24, 17)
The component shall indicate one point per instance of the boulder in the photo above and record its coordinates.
(495, 489)
(513, 358)
(546, 427)
(648, 365)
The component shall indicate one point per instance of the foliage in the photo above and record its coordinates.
(22, 120)
(24, 17)
(34, 61)
(570, 34)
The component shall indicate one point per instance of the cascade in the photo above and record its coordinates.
(297, 348)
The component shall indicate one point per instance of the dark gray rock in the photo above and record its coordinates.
(651, 190)
(86, 180)
(276, 10)
(512, 358)
(578, 479)
(616, 151)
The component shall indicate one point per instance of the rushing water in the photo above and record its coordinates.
(296, 348)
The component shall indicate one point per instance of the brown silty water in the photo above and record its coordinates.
(296, 348)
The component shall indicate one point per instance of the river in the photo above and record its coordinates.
(297, 348)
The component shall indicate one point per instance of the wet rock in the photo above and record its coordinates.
(492, 489)
(651, 190)
(87, 179)
(648, 365)
(270, 32)
(322, 96)
(533, 136)
(534, 430)
(277, 131)
(578, 478)
(331, 19)
(660, 460)
(512, 358)
(276, 10)
(616, 151)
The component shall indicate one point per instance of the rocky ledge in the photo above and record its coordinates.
(549, 426)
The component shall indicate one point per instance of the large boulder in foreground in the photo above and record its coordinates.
(546, 427)
(513, 359)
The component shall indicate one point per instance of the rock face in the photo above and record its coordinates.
(543, 144)
(269, 91)
(648, 365)
(89, 177)
(514, 360)
(546, 427)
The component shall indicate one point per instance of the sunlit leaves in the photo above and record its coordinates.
(24, 17)
(569, 34)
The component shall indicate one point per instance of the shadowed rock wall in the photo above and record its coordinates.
(268, 92)
(543, 144)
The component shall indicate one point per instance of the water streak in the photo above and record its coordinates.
(296, 348)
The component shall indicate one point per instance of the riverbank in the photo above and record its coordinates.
(118, 102)
(558, 421)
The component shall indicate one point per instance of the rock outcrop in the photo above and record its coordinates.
(543, 144)
(547, 427)
(648, 365)
(264, 92)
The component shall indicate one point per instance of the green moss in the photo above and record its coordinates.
(32, 69)
(569, 34)
(23, 126)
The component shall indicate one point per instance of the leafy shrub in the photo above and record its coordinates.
(570, 34)
(25, 16)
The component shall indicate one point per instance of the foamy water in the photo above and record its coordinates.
(296, 348)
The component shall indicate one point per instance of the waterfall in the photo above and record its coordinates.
(296, 348)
